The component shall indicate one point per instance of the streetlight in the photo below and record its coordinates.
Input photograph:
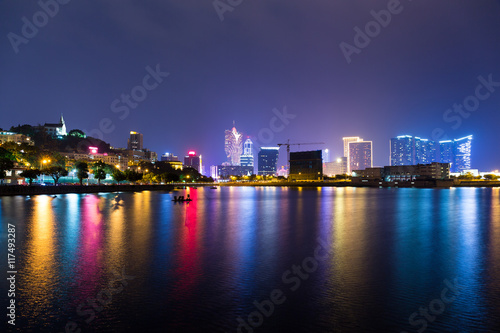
(45, 161)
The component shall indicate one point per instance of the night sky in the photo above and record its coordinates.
(263, 55)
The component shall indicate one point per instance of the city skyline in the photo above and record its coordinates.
(403, 150)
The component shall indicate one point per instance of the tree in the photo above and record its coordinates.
(55, 172)
(133, 176)
(491, 177)
(82, 171)
(118, 176)
(5, 165)
(169, 177)
(151, 178)
(31, 174)
(77, 133)
(99, 169)
(467, 176)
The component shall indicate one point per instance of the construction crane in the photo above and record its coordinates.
(288, 144)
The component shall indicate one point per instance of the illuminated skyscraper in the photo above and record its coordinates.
(326, 155)
(457, 152)
(402, 150)
(408, 150)
(135, 141)
(346, 143)
(193, 161)
(233, 146)
(425, 151)
(247, 157)
(462, 152)
(360, 155)
(268, 160)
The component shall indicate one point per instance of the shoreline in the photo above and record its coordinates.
(10, 190)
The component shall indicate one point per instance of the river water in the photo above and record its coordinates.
(256, 259)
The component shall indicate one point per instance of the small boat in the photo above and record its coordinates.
(182, 199)
(213, 187)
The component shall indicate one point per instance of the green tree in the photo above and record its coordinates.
(169, 177)
(467, 176)
(31, 174)
(133, 176)
(55, 172)
(5, 165)
(118, 176)
(491, 177)
(99, 169)
(151, 178)
(77, 133)
(82, 171)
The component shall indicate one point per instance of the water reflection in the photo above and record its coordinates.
(40, 276)
(201, 265)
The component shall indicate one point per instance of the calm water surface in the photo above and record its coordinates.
(332, 259)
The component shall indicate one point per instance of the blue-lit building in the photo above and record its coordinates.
(247, 158)
(408, 150)
(456, 152)
(268, 160)
(462, 149)
(425, 151)
(402, 150)
(446, 152)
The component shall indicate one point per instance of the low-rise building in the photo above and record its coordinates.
(337, 167)
(13, 177)
(402, 173)
(225, 171)
(15, 137)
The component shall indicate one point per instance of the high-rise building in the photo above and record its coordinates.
(214, 171)
(135, 141)
(408, 150)
(326, 155)
(268, 160)
(192, 160)
(346, 143)
(233, 146)
(306, 165)
(425, 151)
(463, 153)
(457, 152)
(360, 155)
(402, 150)
(247, 158)
(446, 151)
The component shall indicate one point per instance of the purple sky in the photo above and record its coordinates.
(263, 55)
